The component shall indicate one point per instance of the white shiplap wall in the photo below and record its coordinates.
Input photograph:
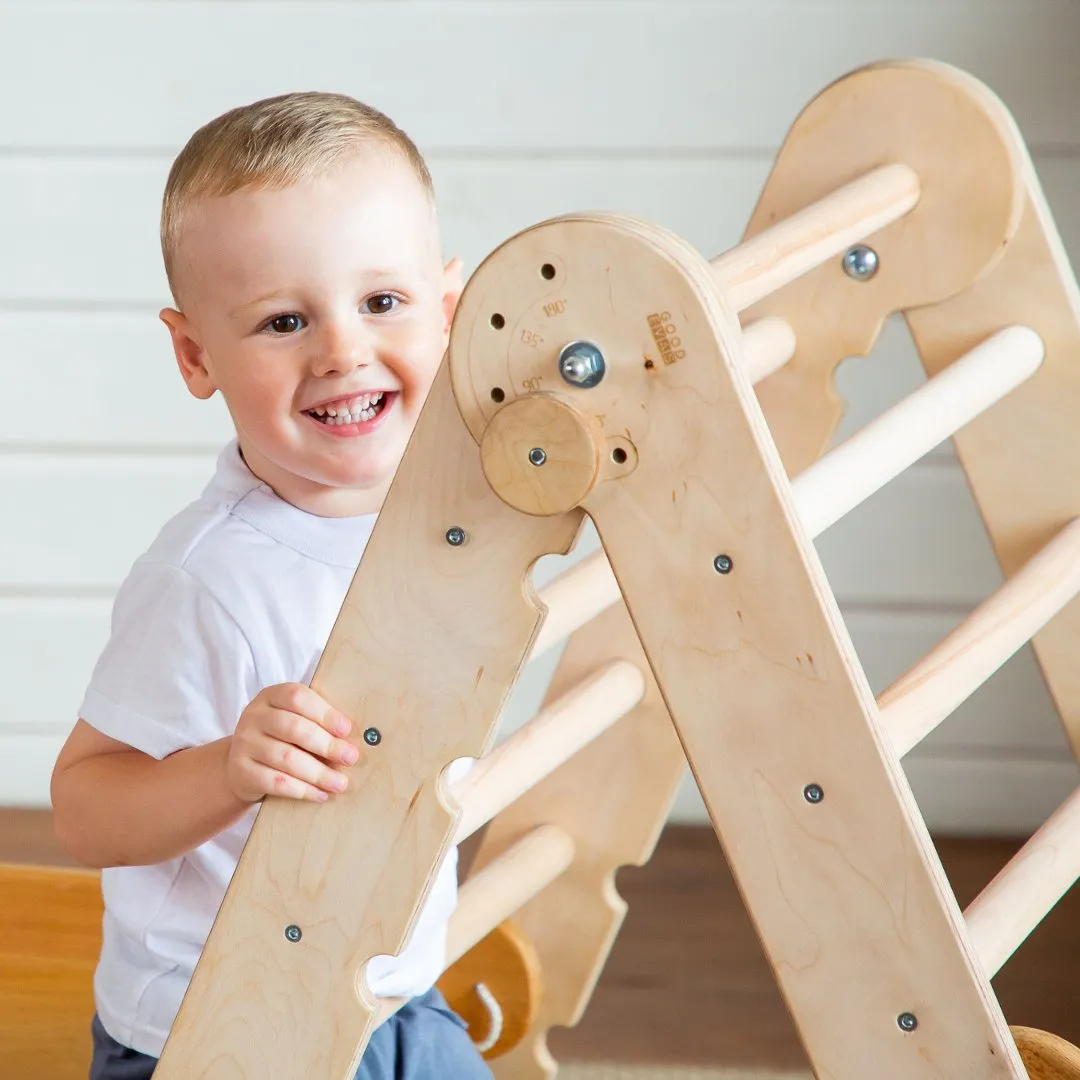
(668, 110)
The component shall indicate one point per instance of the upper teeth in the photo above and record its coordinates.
(358, 408)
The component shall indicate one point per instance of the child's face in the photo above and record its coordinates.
(329, 296)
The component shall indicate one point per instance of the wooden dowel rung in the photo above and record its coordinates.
(847, 475)
(837, 482)
(1023, 893)
(768, 344)
(549, 739)
(778, 255)
(923, 697)
(491, 896)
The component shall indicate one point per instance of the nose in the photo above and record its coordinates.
(342, 348)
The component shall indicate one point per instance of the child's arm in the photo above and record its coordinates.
(115, 806)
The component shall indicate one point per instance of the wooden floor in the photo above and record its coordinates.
(687, 983)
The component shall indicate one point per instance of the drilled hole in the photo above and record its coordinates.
(649, 365)
(618, 455)
(547, 271)
(497, 321)
(498, 394)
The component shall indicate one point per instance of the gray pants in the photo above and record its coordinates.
(423, 1041)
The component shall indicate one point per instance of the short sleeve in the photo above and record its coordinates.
(177, 670)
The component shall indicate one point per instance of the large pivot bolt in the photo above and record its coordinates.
(582, 364)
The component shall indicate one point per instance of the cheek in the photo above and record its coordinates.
(421, 366)
(260, 391)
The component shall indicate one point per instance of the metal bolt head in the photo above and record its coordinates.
(372, 736)
(455, 536)
(722, 564)
(537, 455)
(813, 793)
(860, 262)
(582, 364)
(293, 933)
(907, 1021)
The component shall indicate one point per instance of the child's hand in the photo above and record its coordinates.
(286, 743)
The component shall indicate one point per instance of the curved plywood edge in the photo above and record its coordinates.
(505, 966)
(849, 899)
(1046, 1056)
(1021, 455)
(969, 207)
(429, 641)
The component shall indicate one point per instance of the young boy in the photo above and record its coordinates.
(302, 248)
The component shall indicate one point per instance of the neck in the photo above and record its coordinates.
(322, 500)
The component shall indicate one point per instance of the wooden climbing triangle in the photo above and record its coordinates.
(601, 368)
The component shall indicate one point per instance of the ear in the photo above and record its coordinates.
(190, 355)
(452, 287)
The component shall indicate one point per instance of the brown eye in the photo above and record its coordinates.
(285, 324)
(381, 304)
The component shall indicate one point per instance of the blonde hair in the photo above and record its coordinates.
(274, 143)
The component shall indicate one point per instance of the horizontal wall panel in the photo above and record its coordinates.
(85, 379)
(86, 231)
(965, 796)
(48, 648)
(26, 764)
(83, 520)
(512, 75)
(917, 540)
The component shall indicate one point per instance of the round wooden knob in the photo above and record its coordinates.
(540, 455)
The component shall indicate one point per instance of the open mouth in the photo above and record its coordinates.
(361, 409)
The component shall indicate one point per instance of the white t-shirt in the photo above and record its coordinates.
(238, 592)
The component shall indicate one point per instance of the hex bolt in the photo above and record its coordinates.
(860, 262)
(722, 564)
(293, 933)
(455, 536)
(372, 736)
(582, 364)
(907, 1021)
(537, 455)
(813, 793)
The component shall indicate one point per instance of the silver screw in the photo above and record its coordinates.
(907, 1021)
(455, 536)
(537, 455)
(293, 933)
(813, 793)
(582, 364)
(372, 736)
(860, 262)
(722, 564)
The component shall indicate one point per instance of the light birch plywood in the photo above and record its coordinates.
(613, 797)
(755, 665)
(429, 640)
(1014, 454)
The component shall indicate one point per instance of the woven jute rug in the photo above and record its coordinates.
(572, 1071)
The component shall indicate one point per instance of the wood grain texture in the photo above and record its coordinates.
(426, 664)
(707, 481)
(1046, 1056)
(51, 919)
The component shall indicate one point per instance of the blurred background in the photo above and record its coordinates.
(670, 110)
(525, 109)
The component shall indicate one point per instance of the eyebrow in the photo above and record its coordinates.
(241, 308)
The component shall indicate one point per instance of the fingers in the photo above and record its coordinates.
(289, 742)
(274, 782)
(302, 700)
